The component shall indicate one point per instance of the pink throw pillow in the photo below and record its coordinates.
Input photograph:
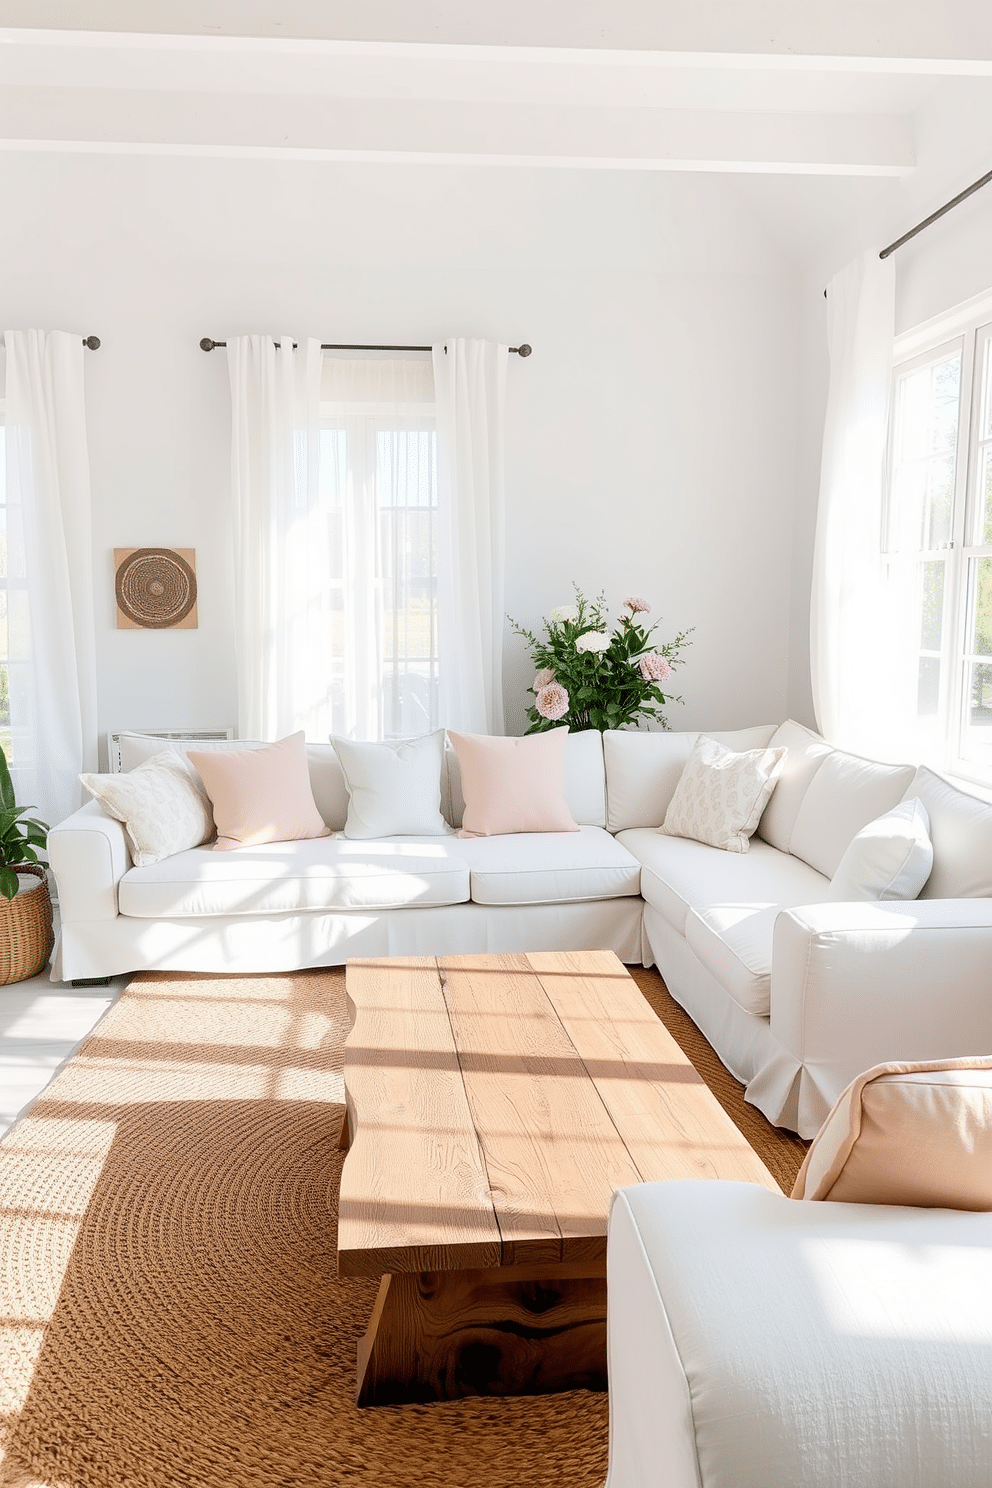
(915, 1133)
(513, 785)
(260, 795)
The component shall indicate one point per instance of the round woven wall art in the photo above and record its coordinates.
(156, 588)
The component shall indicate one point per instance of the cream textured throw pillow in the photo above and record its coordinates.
(513, 785)
(394, 788)
(260, 795)
(721, 795)
(917, 1134)
(161, 804)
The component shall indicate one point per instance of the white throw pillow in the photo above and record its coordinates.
(721, 795)
(890, 858)
(394, 788)
(161, 803)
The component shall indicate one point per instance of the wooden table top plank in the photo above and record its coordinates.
(414, 1186)
(551, 1149)
(668, 1119)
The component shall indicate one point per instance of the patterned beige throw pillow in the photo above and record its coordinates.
(721, 795)
(161, 804)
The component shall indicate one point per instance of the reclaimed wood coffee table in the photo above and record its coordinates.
(494, 1103)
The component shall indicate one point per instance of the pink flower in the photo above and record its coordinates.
(637, 606)
(552, 701)
(654, 668)
(544, 676)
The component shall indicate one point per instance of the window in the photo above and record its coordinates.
(378, 486)
(378, 508)
(937, 545)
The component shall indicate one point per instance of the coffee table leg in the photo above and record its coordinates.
(441, 1335)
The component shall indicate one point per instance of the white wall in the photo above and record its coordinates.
(651, 443)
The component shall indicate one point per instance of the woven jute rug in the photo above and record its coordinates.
(169, 1309)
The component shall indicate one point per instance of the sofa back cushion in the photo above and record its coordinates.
(643, 768)
(805, 754)
(330, 793)
(585, 781)
(961, 833)
(844, 795)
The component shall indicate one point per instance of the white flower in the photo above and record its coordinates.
(593, 640)
(544, 676)
(562, 613)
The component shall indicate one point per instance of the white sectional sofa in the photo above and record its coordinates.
(757, 1342)
(797, 993)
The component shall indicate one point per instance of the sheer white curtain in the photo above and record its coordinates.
(470, 386)
(335, 501)
(849, 657)
(51, 649)
(275, 397)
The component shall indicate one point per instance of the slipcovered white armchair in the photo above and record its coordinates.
(760, 1342)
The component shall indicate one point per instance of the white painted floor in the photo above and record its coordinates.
(41, 1024)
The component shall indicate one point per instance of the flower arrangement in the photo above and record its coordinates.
(592, 677)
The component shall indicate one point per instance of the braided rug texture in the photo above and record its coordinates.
(169, 1309)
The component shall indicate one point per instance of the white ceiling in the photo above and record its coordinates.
(793, 89)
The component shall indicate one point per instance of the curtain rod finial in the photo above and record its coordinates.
(524, 350)
(92, 342)
(206, 344)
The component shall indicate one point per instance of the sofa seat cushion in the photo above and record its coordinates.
(550, 867)
(326, 873)
(678, 875)
(734, 942)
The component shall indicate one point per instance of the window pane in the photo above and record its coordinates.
(985, 428)
(931, 629)
(406, 497)
(976, 746)
(984, 495)
(981, 614)
(928, 691)
(333, 468)
(927, 406)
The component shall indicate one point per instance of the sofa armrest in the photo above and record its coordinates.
(854, 985)
(89, 856)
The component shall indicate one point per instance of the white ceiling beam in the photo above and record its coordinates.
(892, 33)
(521, 134)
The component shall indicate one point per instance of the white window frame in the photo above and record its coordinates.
(968, 326)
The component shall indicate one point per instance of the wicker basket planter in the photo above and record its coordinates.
(26, 934)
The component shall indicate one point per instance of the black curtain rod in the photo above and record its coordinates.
(522, 350)
(91, 342)
(955, 201)
(934, 216)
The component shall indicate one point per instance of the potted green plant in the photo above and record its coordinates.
(26, 936)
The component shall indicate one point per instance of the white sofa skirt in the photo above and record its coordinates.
(774, 1078)
(242, 943)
